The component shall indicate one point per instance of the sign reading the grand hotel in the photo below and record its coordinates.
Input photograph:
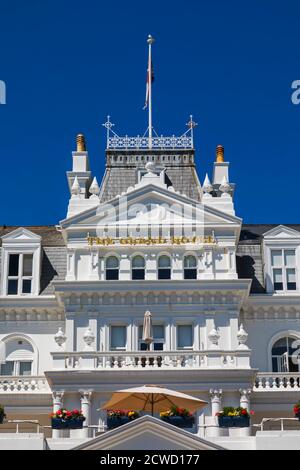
(106, 241)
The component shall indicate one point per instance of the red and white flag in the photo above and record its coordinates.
(150, 67)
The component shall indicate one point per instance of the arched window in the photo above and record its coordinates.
(19, 356)
(138, 268)
(112, 268)
(190, 267)
(284, 358)
(164, 267)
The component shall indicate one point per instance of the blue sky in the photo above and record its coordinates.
(69, 63)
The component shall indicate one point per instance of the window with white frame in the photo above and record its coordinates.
(20, 273)
(21, 256)
(283, 263)
(118, 337)
(138, 268)
(164, 267)
(284, 355)
(185, 336)
(112, 268)
(158, 332)
(190, 267)
(19, 357)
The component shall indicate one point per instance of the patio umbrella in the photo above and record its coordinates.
(153, 398)
(147, 329)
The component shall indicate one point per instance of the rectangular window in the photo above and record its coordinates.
(25, 368)
(20, 274)
(185, 337)
(7, 368)
(158, 332)
(118, 337)
(284, 269)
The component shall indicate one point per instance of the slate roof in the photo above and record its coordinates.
(122, 169)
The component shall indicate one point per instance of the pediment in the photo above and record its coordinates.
(152, 205)
(281, 232)
(21, 235)
(148, 433)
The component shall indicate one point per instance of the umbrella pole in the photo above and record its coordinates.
(152, 403)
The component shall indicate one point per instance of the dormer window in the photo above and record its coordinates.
(281, 247)
(21, 262)
(19, 274)
(284, 269)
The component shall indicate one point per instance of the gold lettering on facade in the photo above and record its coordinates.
(107, 241)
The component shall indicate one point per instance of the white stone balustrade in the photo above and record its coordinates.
(280, 381)
(21, 384)
(144, 360)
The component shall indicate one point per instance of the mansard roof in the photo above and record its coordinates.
(122, 167)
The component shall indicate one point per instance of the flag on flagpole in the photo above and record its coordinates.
(150, 67)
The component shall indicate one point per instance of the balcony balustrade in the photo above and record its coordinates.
(150, 360)
(23, 384)
(281, 381)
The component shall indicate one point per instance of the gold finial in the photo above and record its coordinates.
(80, 140)
(220, 154)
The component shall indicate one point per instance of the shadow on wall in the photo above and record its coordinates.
(245, 269)
(47, 274)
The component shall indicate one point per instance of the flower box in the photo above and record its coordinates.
(73, 423)
(116, 421)
(180, 421)
(234, 421)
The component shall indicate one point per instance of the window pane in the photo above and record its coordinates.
(138, 274)
(26, 286)
(12, 287)
(276, 258)
(291, 279)
(158, 346)
(13, 269)
(112, 274)
(190, 262)
(112, 262)
(27, 265)
(280, 347)
(190, 274)
(277, 277)
(289, 258)
(138, 262)
(25, 368)
(164, 262)
(7, 368)
(158, 332)
(184, 336)
(118, 337)
(164, 273)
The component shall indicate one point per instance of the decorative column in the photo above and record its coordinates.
(85, 400)
(57, 398)
(214, 430)
(245, 403)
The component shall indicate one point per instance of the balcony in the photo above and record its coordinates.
(23, 384)
(277, 382)
(151, 360)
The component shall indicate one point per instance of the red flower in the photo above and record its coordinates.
(252, 412)
(244, 412)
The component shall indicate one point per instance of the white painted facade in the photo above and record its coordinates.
(214, 338)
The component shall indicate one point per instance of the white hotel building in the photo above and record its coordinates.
(224, 298)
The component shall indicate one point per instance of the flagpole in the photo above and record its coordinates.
(150, 41)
